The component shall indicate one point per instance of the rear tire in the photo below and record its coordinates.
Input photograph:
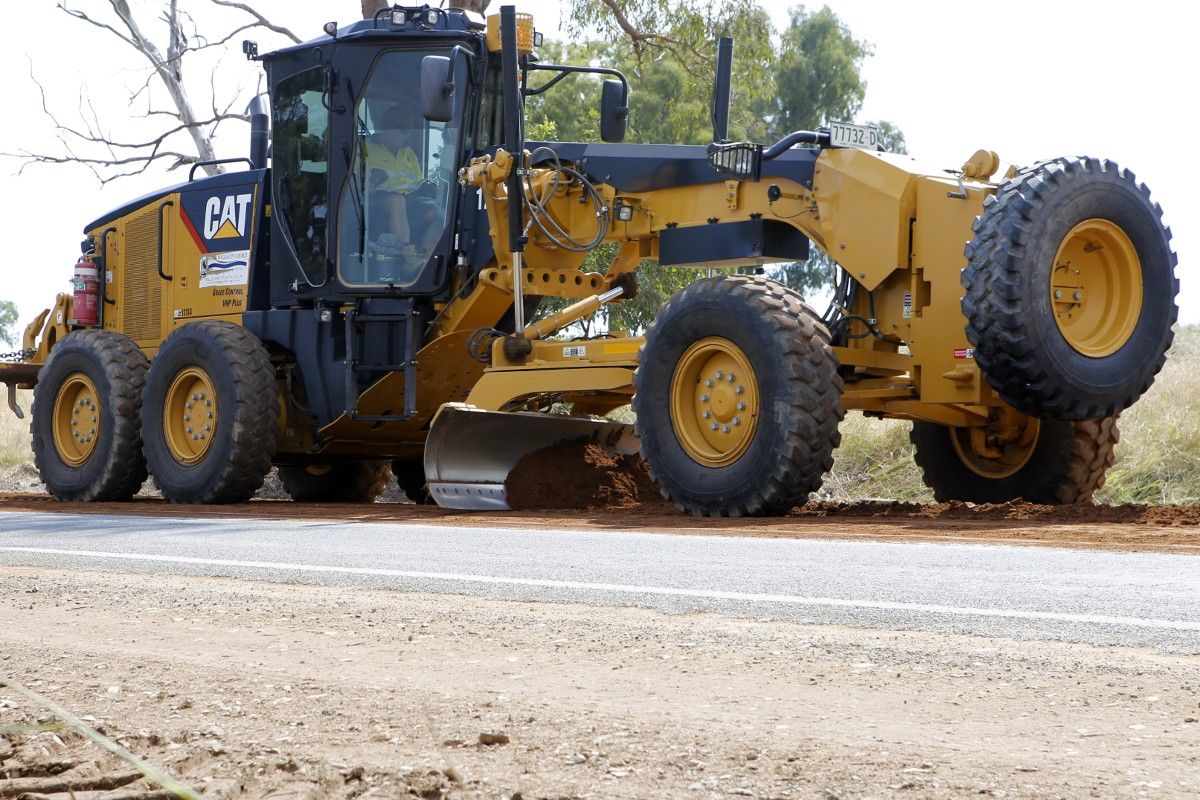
(1070, 290)
(354, 482)
(410, 476)
(209, 422)
(87, 402)
(1065, 465)
(746, 354)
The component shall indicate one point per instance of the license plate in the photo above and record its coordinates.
(845, 134)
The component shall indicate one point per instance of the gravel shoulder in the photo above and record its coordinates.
(249, 689)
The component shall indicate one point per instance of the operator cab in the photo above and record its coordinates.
(363, 185)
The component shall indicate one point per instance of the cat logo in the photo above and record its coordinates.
(225, 217)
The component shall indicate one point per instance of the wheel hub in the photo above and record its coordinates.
(714, 402)
(190, 415)
(1096, 288)
(76, 419)
(1000, 449)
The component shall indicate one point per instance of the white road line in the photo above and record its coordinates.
(619, 588)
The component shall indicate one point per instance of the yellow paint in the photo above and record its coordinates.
(1096, 288)
(77, 420)
(714, 402)
(190, 415)
(998, 450)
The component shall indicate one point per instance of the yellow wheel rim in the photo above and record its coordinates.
(1096, 288)
(714, 402)
(989, 456)
(190, 415)
(77, 419)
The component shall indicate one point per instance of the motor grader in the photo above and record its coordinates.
(301, 314)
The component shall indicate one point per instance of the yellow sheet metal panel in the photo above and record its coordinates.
(945, 361)
(864, 204)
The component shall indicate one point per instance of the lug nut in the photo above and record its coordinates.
(741, 406)
(714, 426)
(707, 414)
(1079, 295)
(709, 383)
(1058, 294)
(731, 377)
(726, 429)
(704, 398)
(720, 375)
(739, 389)
(737, 420)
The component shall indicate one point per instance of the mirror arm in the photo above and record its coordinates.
(566, 69)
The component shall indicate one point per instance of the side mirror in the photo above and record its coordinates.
(437, 88)
(614, 111)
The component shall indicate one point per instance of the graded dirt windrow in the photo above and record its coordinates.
(1127, 527)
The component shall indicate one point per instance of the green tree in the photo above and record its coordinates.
(817, 75)
(667, 49)
(8, 322)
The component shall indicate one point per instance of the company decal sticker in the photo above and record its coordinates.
(964, 352)
(231, 268)
(219, 219)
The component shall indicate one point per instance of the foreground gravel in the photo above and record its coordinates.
(262, 690)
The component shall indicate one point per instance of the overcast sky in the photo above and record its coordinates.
(1030, 80)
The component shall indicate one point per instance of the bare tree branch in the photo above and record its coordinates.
(87, 141)
(260, 19)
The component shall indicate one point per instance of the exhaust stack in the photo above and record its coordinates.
(720, 95)
(259, 133)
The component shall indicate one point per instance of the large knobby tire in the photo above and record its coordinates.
(353, 482)
(87, 443)
(1064, 464)
(1070, 289)
(746, 354)
(410, 477)
(210, 414)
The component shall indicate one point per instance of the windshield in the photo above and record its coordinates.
(396, 198)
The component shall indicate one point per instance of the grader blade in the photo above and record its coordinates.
(470, 452)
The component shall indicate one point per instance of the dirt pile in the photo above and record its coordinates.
(579, 475)
(1014, 510)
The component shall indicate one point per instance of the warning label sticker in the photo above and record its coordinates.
(907, 305)
(230, 268)
(575, 351)
(964, 352)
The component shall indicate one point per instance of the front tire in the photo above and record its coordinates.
(210, 417)
(1070, 290)
(746, 355)
(1051, 462)
(86, 406)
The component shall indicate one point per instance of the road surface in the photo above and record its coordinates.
(1146, 599)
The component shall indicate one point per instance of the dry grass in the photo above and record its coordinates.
(1158, 459)
(14, 433)
(875, 460)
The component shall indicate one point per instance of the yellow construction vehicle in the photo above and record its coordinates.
(365, 298)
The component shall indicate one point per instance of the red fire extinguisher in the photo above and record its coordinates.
(85, 305)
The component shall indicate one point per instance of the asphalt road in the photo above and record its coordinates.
(1139, 599)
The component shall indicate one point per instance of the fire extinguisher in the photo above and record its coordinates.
(85, 305)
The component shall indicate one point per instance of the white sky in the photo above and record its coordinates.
(1030, 80)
